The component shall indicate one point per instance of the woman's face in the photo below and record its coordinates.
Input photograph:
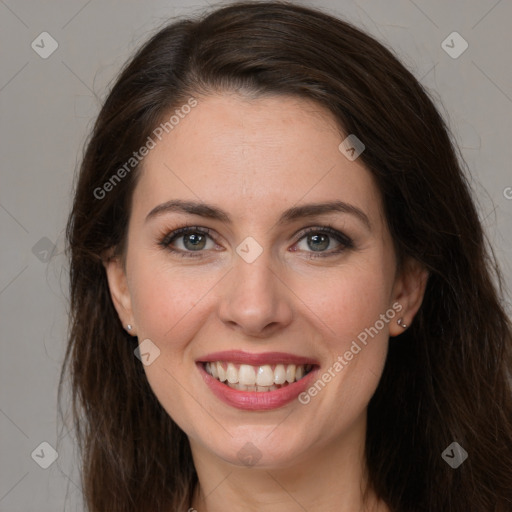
(280, 283)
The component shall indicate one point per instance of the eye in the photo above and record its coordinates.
(319, 239)
(189, 239)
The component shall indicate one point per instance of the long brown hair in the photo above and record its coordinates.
(445, 378)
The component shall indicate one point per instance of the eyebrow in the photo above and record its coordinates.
(297, 212)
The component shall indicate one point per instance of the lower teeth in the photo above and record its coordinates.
(241, 387)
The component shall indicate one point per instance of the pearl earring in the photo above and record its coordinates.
(129, 327)
(401, 324)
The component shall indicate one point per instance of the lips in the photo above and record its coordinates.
(257, 381)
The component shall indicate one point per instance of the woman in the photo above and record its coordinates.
(281, 294)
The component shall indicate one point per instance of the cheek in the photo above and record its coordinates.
(354, 314)
(349, 300)
(165, 297)
(168, 306)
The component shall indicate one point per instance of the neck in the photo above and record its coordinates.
(328, 477)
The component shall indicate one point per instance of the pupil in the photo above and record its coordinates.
(322, 238)
(195, 240)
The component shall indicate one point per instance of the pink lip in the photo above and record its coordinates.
(254, 400)
(241, 357)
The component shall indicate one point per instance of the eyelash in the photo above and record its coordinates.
(168, 238)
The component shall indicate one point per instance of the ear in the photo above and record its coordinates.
(118, 285)
(408, 291)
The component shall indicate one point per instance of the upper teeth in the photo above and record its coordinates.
(247, 375)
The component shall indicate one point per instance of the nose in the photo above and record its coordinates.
(255, 301)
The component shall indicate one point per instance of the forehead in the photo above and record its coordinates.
(254, 157)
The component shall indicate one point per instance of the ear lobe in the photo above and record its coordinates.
(118, 285)
(409, 292)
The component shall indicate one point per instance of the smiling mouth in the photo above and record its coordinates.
(245, 377)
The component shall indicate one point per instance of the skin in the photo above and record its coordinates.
(254, 158)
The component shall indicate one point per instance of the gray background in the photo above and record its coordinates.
(47, 109)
